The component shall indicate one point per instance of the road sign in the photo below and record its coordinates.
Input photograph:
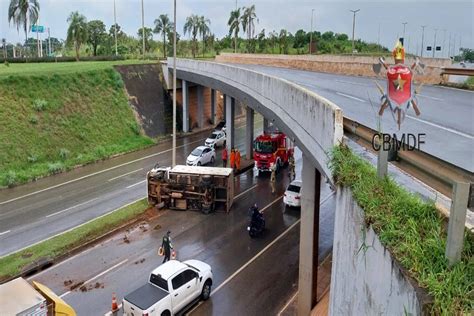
(37, 28)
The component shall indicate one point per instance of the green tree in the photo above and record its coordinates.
(283, 41)
(164, 26)
(467, 54)
(170, 36)
(273, 37)
(97, 34)
(192, 27)
(204, 30)
(77, 32)
(23, 13)
(234, 25)
(300, 39)
(248, 26)
(148, 37)
(262, 42)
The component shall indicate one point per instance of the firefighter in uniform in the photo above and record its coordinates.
(273, 179)
(166, 245)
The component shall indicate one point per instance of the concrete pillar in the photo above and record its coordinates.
(213, 106)
(200, 112)
(185, 93)
(309, 237)
(225, 107)
(229, 122)
(266, 125)
(249, 133)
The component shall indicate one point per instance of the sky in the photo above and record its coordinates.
(450, 18)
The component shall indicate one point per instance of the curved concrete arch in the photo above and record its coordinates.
(313, 122)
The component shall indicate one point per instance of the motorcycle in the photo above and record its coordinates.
(257, 223)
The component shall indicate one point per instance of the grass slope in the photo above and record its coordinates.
(53, 121)
(412, 230)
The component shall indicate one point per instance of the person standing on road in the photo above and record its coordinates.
(232, 158)
(224, 157)
(291, 163)
(166, 244)
(237, 160)
(273, 179)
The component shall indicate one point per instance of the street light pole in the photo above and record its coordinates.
(115, 29)
(422, 38)
(443, 49)
(143, 30)
(434, 43)
(404, 25)
(311, 34)
(353, 28)
(173, 154)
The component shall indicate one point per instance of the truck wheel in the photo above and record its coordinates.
(206, 290)
(166, 313)
(199, 164)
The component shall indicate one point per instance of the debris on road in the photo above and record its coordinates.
(140, 261)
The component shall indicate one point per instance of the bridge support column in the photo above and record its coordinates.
(266, 125)
(249, 133)
(225, 107)
(229, 121)
(309, 238)
(213, 106)
(200, 101)
(185, 93)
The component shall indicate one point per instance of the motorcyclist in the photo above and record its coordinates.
(257, 217)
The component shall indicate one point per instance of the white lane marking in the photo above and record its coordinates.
(442, 127)
(70, 208)
(97, 276)
(287, 304)
(132, 185)
(350, 96)
(353, 83)
(98, 172)
(242, 193)
(125, 174)
(68, 230)
(5, 232)
(428, 97)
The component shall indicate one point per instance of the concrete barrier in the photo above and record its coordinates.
(346, 65)
(367, 280)
(313, 122)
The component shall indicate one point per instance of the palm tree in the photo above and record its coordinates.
(24, 13)
(163, 25)
(77, 31)
(4, 45)
(204, 30)
(192, 27)
(234, 24)
(248, 17)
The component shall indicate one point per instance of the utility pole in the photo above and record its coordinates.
(49, 43)
(434, 43)
(353, 28)
(422, 39)
(143, 30)
(443, 49)
(115, 29)
(378, 38)
(449, 47)
(404, 25)
(454, 44)
(311, 34)
(460, 38)
(173, 152)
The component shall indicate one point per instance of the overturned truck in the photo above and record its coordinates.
(205, 189)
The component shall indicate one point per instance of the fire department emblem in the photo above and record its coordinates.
(400, 95)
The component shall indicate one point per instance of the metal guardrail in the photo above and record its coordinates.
(429, 169)
(458, 71)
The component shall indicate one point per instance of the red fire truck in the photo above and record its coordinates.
(271, 149)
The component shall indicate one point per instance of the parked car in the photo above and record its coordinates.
(216, 139)
(201, 155)
(171, 288)
(292, 195)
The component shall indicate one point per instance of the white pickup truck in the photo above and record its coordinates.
(171, 288)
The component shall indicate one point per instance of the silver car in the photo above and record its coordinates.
(201, 155)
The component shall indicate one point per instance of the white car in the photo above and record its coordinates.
(171, 288)
(216, 139)
(200, 156)
(292, 195)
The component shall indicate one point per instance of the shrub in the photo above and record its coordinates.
(135, 127)
(100, 152)
(40, 105)
(33, 119)
(10, 179)
(64, 153)
(32, 158)
(55, 167)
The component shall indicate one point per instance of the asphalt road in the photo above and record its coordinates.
(243, 268)
(447, 115)
(52, 205)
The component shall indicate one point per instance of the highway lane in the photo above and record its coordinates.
(97, 189)
(219, 239)
(447, 115)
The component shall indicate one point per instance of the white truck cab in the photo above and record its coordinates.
(171, 288)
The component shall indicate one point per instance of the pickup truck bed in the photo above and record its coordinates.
(145, 296)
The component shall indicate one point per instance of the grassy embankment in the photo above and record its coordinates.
(58, 246)
(412, 230)
(58, 115)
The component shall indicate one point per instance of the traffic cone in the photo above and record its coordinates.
(114, 303)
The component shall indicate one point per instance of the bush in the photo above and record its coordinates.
(10, 179)
(33, 119)
(55, 167)
(40, 105)
(62, 59)
(135, 128)
(32, 158)
(64, 153)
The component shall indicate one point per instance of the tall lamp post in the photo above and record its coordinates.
(404, 26)
(115, 29)
(311, 34)
(143, 30)
(173, 154)
(353, 28)
(422, 38)
(434, 43)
